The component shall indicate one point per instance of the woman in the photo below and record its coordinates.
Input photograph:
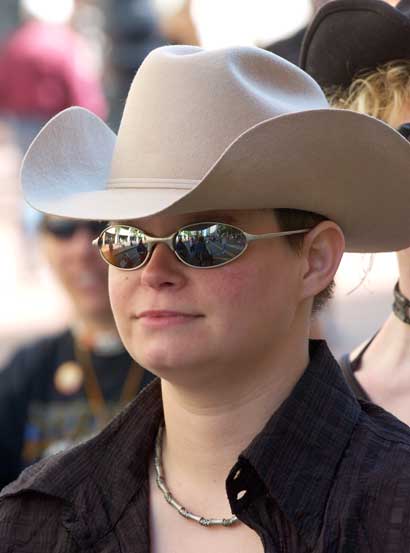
(250, 440)
(370, 73)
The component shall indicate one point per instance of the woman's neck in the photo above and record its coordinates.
(390, 350)
(206, 429)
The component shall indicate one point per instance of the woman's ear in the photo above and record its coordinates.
(322, 251)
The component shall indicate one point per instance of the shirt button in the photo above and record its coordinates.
(240, 495)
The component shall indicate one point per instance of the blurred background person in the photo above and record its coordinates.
(45, 66)
(361, 56)
(65, 387)
(132, 31)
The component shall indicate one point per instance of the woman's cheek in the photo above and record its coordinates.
(235, 285)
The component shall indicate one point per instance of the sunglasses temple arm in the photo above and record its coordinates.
(251, 237)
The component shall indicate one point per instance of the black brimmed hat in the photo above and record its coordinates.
(347, 37)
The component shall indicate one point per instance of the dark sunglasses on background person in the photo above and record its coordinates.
(65, 229)
(202, 245)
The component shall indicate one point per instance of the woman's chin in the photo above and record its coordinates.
(167, 362)
(160, 361)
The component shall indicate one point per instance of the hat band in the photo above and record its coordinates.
(177, 184)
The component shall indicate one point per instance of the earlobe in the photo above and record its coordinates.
(323, 248)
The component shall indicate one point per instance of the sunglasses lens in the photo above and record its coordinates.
(209, 244)
(123, 246)
(60, 229)
(65, 229)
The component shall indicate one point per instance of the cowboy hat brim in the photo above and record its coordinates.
(346, 166)
(350, 36)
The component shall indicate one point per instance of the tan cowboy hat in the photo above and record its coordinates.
(235, 128)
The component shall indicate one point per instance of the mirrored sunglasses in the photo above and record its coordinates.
(65, 229)
(200, 245)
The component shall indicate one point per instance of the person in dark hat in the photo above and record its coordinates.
(360, 53)
(290, 47)
(250, 440)
(347, 38)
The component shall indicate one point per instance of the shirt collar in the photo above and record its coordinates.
(297, 454)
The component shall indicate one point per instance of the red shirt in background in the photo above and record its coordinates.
(45, 68)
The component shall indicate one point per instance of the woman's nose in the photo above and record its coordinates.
(163, 269)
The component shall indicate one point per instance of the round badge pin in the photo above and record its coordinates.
(68, 378)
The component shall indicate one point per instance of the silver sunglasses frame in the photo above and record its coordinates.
(168, 240)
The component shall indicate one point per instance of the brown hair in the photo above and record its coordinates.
(293, 219)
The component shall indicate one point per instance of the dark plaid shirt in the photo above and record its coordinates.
(326, 475)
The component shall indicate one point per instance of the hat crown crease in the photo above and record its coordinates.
(187, 105)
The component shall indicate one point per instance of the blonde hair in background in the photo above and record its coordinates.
(381, 92)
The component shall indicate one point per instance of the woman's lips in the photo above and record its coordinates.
(165, 318)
